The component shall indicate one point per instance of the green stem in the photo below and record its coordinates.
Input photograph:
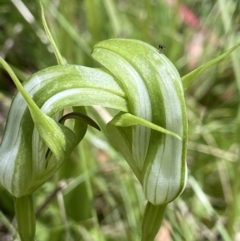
(58, 56)
(152, 220)
(25, 216)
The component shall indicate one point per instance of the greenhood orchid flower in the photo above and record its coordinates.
(31, 131)
(150, 130)
(154, 93)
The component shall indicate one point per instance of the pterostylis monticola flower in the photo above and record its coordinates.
(34, 144)
(154, 93)
(152, 136)
(150, 129)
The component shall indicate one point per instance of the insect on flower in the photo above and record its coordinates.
(161, 47)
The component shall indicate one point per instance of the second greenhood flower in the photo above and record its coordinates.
(31, 132)
(155, 95)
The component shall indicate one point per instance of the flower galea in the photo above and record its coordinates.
(153, 138)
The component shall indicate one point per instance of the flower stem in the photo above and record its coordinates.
(152, 220)
(24, 210)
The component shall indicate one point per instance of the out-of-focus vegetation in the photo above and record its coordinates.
(95, 196)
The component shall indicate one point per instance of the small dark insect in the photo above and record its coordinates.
(161, 47)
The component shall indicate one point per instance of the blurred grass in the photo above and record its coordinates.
(101, 199)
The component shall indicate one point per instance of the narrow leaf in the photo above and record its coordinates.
(58, 56)
(189, 78)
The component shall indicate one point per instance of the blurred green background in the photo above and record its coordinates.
(95, 196)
